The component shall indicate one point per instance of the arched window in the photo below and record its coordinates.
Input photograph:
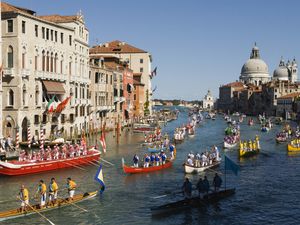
(55, 63)
(37, 93)
(10, 57)
(51, 62)
(23, 58)
(43, 60)
(47, 61)
(36, 59)
(70, 66)
(61, 64)
(76, 69)
(24, 96)
(11, 97)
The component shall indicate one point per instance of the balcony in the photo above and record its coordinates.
(9, 72)
(25, 72)
(44, 75)
(116, 99)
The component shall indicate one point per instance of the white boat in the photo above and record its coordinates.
(193, 169)
(228, 145)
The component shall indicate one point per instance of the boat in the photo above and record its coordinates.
(132, 170)
(229, 145)
(230, 141)
(142, 128)
(194, 169)
(194, 202)
(293, 146)
(155, 150)
(281, 139)
(249, 149)
(264, 129)
(61, 202)
(15, 167)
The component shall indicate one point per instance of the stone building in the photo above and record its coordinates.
(286, 72)
(44, 58)
(138, 96)
(138, 60)
(208, 101)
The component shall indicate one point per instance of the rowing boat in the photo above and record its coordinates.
(15, 167)
(15, 213)
(194, 169)
(292, 148)
(131, 169)
(248, 153)
(194, 202)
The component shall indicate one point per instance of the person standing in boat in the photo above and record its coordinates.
(201, 188)
(163, 158)
(152, 159)
(187, 189)
(24, 197)
(206, 185)
(157, 159)
(135, 160)
(71, 186)
(53, 188)
(146, 161)
(172, 148)
(217, 182)
(42, 189)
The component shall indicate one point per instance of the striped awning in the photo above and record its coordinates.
(53, 87)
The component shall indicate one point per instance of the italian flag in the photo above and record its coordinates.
(50, 105)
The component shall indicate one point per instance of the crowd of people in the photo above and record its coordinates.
(202, 186)
(204, 159)
(57, 152)
(153, 159)
(41, 192)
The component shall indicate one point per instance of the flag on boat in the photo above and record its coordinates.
(102, 141)
(61, 106)
(230, 165)
(99, 179)
(50, 105)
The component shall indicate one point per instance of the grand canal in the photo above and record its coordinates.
(267, 185)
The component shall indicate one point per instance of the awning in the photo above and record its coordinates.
(53, 87)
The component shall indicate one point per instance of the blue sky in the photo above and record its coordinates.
(196, 45)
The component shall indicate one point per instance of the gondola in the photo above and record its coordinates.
(194, 202)
(131, 169)
(61, 202)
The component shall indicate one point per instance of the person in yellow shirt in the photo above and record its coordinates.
(53, 188)
(24, 197)
(71, 185)
(42, 189)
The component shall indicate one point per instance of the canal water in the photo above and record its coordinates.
(267, 187)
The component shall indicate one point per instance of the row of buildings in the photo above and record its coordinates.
(47, 61)
(258, 93)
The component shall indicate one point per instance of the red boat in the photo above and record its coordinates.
(13, 168)
(131, 169)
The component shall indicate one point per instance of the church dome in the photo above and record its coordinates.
(253, 66)
(281, 72)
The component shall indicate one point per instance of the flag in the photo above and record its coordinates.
(154, 89)
(154, 72)
(99, 178)
(61, 106)
(50, 105)
(230, 165)
(102, 141)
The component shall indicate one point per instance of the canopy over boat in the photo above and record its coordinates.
(14, 213)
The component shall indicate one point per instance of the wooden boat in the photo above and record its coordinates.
(194, 202)
(131, 169)
(15, 213)
(142, 128)
(245, 153)
(293, 146)
(194, 169)
(15, 167)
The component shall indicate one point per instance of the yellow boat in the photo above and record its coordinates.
(249, 149)
(292, 148)
(61, 202)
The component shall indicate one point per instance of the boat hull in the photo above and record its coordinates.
(132, 170)
(15, 213)
(12, 169)
(292, 148)
(194, 202)
(245, 154)
(193, 169)
(227, 145)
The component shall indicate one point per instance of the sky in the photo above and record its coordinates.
(196, 45)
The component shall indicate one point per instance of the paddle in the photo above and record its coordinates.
(70, 164)
(72, 203)
(38, 212)
(107, 162)
(165, 195)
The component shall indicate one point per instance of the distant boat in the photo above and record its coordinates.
(131, 169)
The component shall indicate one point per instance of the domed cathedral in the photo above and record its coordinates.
(286, 71)
(255, 70)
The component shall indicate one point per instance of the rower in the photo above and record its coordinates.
(53, 188)
(42, 191)
(201, 188)
(190, 161)
(71, 185)
(152, 159)
(187, 188)
(217, 182)
(172, 148)
(135, 160)
(163, 158)
(24, 196)
(147, 161)
(206, 185)
(157, 159)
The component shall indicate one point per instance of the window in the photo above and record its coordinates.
(36, 119)
(43, 32)
(24, 96)
(47, 34)
(23, 27)
(37, 93)
(70, 40)
(10, 98)
(36, 29)
(23, 60)
(35, 62)
(10, 57)
(47, 62)
(10, 26)
(51, 34)
(43, 60)
(141, 61)
(61, 38)
(134, 97)
(70, 68)
(141, 69)
(61, 66)
(44, 119)
(55, 36)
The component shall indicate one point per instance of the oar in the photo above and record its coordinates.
(38, 213)
(70, 164)
(72, 203)
(107, 162)
(162, 196)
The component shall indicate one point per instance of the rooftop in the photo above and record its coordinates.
(5, 7)
(292, 95)
(59, 18)
(234, 84)
(115, 47)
